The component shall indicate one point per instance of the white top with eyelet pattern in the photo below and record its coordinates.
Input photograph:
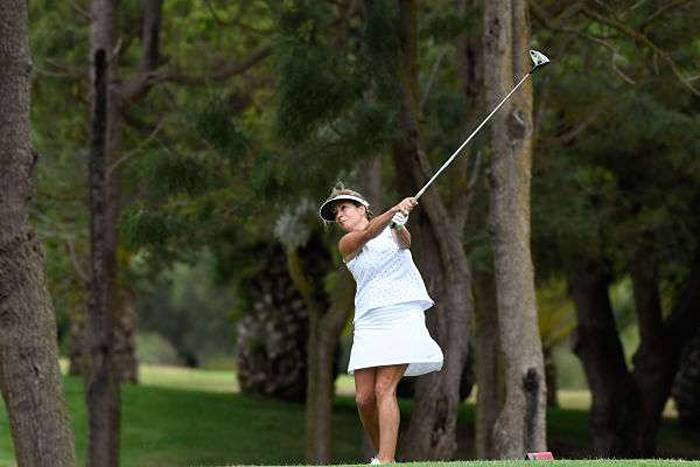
(386, 275)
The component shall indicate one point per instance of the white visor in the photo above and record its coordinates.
(326, 210)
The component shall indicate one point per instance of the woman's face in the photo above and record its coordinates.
(349, 216)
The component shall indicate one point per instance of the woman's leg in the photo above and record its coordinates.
(367, 403)
(387, 378)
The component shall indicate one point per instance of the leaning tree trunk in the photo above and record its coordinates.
(30, 378)
(521, 424)
(432, 430)
(662, 343)
(102, 390)
(324, 334)
(597, 344)
(627, 407)
(308, 267)
(653, 375)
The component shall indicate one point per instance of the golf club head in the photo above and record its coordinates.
(538, 60)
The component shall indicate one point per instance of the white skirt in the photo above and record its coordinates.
(395, 335)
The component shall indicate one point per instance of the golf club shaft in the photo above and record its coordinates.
(456, 153)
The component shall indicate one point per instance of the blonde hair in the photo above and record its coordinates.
(339, 189)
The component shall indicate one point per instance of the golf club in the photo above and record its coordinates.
(538, 60)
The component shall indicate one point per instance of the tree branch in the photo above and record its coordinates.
(137, 87)
(571, 134)
(220, 74)
(79, 269)
(431, 78)
(654, 16)
(127, 155)
(642, 38)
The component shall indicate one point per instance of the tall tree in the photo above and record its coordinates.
(520, 426)
(102, 385)
(432, 430)
(30, 377)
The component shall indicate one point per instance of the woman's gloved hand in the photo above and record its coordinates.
(399, 220)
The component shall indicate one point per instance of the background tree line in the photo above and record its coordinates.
(208, 132)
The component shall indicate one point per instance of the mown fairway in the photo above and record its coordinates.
(185, 417)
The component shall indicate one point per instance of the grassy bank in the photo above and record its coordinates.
(193, 417)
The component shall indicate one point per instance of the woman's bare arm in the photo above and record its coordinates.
(352, 242)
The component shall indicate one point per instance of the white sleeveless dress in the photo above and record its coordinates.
(390, 304)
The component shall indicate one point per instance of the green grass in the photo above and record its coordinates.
(187, 378)
(193, 417)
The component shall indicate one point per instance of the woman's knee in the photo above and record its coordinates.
(365, 400)
(384, 387)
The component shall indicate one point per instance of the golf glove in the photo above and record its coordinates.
(399, 220)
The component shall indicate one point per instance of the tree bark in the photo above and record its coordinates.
(102, 390)
(432, 430)
(308, 267)
(597, 344)
(122, 95)
(658, 357)
(551, 377)
(521, 424)
(125, 362)
(30, 377)
(627, 407)
(489, 371)
(76, 358)
(323, 342)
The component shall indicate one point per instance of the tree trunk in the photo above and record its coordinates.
(597, 344)
(652, 373)
(323, 343)
(125, 363)
(551, 377)
(626, 409)
(308, 267)
(489, 371)
(686, 387)
(30, 377)
(432, 430)
(657, 359)
(102, 385)
(521, 424)
(76, 358)
(684, 324)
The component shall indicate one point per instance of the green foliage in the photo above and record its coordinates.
(445, 25)
(314, 85)
(381, 43)
(217, 124)
(555, 313)
(172, 174)
(140, 227)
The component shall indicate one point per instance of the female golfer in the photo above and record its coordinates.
(390, 339)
